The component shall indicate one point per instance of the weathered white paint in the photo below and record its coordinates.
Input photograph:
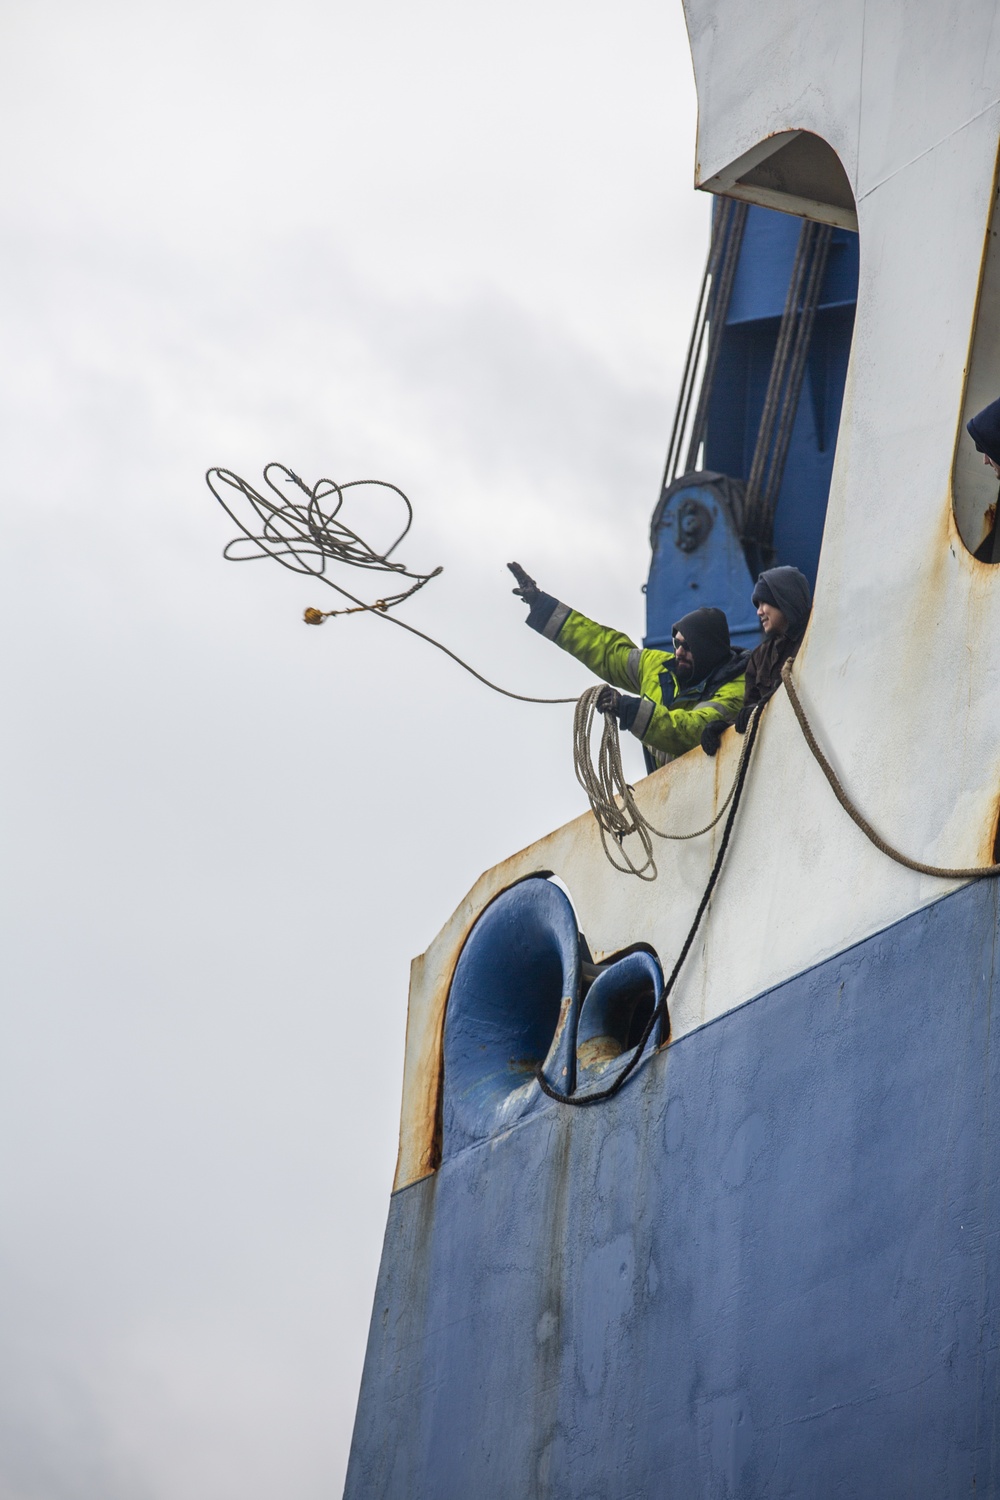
(900, 670)
(975, 485)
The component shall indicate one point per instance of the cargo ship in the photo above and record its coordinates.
(765, 1267)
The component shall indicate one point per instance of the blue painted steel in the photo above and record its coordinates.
(620, 1001)
(517, 1000)
(765, 267)
(714, 572)
(767, 1269)
(740, 384)
(520, 960)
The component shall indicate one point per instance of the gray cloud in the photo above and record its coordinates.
(367, 239)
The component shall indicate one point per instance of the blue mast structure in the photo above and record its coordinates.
(751, 453)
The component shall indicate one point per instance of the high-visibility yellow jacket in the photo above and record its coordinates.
(669, 717)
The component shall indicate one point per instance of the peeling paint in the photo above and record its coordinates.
(899, 670)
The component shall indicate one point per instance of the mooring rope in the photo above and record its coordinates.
(974, 872)
(306, 535)
(608, 784)
(612, 799)
(583, 1101)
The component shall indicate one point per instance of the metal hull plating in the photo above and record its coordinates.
(766, 1268)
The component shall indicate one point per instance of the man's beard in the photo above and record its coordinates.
(683, 672)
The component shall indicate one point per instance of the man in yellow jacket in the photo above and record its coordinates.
(681, 692)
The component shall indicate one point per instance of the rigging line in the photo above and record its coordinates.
(306, 537)
(796, 372)
(973, 872)
(584, 1101)
(687, 381)
(695, 343)
(612, 799)
(776, 380)
(718, 311)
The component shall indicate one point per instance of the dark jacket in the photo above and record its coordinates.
(788, 590)
(984, 430)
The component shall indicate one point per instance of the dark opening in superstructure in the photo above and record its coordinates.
(974, 484)
(751, 453)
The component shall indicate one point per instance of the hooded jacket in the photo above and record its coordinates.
(984, 430)
(788, 590)
(669, 716)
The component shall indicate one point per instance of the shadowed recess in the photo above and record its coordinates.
(521, 960)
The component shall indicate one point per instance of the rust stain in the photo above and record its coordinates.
(421, 1124)
(717, 777)
(565, 1006)
(955, 582)
(598, 1051)
(992, 854)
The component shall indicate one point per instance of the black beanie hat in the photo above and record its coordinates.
(706, 635)
(984, 430)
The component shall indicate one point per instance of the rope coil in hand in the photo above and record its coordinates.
(612, 799)
(606, 787)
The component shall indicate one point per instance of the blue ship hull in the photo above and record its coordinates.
(766, 1268)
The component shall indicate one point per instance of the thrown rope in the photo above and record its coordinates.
(612, 799)
(583, 1101)
(307, 534)
(974, 872)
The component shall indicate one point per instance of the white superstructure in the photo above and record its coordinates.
(900, 670)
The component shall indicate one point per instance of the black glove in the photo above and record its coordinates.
(711, 736)
(742, 719)
(527, 588)
(608, 701)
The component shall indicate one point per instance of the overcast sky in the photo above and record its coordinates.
(455, 246)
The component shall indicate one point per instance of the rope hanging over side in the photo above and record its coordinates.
(608, 783)
(583, 1101)
(305, 533)
(974, 872)
(612, 799)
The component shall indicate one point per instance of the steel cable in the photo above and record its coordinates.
(753, 518)
(686, 389)
(718, 311)
(784, 388)
(796, 371)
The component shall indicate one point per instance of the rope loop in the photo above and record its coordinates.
(305, 532)
(612, 799)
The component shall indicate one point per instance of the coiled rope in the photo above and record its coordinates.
(307, 535)
(612, 799)
(607, 787)
(584, 1101)
(974, 872)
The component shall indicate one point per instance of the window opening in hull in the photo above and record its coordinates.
(751, 452)
(974, 485)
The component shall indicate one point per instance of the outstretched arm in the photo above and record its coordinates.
(610, 654)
